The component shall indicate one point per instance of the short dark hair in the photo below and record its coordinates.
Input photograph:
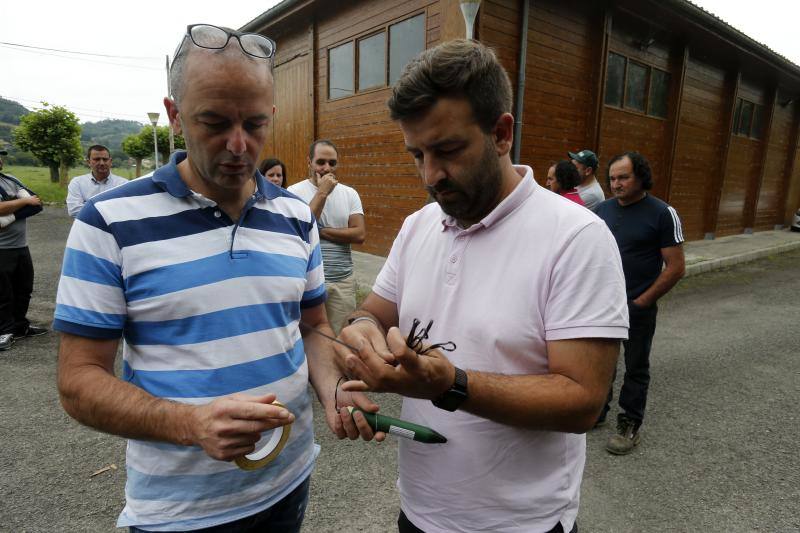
(567, 175)
(97, 148)
(641, 168)
(458, 69)
(271, 162)
(323, 142)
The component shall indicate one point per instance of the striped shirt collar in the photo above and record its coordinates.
(169, 179)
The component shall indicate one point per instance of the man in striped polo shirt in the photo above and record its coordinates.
(650, 240)
(206, 270)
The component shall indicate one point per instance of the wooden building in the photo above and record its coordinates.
(715, 112)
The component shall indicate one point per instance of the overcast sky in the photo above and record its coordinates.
(97, 87)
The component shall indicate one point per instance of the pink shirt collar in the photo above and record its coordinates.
(507, 206)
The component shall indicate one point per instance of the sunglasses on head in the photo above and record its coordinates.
(216, 38)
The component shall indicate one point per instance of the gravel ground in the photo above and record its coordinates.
(719, 449)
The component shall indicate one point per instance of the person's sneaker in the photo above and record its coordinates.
(32, 331)
(625, 439)
(6, 341)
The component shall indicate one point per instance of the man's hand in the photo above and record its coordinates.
(229, 427)
(365, 335)
(326, 183)
(413, 375)
(345, 425)
(33, 200)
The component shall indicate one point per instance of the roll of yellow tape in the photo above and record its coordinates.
(264, 455)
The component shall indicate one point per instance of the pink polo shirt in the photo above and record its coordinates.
(537, 268)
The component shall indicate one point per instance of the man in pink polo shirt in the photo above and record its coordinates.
(528, 287)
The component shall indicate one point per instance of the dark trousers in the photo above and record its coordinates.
(286, 516)
(633, 395)
(16, 286)
(404, 525)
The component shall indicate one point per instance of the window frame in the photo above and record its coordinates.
(737, 119)
(647, 89)
(356, 39)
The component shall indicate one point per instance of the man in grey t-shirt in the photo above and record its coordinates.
(16, 267)
(589, 189)
(341, 224)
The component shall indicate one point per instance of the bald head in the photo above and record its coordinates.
(190, 54)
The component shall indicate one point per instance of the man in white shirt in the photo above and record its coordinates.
(589, 189)
(341, 223)
(503, 276)
(100, 179)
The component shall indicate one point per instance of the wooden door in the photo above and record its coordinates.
(292, 131)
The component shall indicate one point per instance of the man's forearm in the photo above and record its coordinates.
(317, 204)
(322, 369)
(99, 399)
(342, 235)
(12, 206)
(668, 278)
(551, 402)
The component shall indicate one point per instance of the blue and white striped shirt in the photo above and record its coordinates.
(207, 308)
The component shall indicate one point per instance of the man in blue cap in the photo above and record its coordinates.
(589, 189)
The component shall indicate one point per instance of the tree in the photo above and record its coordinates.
(53, 135)
(134, 146)
(143, 145)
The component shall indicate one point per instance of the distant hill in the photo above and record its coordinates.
(109, 133)
(11, 111)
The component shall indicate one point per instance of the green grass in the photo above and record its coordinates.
(38, 180)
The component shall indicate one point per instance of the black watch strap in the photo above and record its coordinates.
(452, 398)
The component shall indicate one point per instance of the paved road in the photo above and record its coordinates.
(719, 450)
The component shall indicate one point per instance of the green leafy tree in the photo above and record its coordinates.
(140, 145)
(135, 146)
(53, 135)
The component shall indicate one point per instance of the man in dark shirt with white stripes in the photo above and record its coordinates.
(649, 236)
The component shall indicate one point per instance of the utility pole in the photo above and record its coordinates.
(169, 122)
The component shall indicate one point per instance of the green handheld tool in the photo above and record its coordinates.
(401, 428)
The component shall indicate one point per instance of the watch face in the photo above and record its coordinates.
(456, 395)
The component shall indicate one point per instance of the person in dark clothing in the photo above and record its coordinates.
(649, 236)
(17, 203)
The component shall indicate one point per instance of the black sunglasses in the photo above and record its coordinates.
(216, 38)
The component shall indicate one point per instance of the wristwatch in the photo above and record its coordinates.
(451, 399)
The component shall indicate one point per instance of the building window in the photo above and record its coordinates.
(636, 87)
(372, 62)
(406, 40)
(376, 65)
(615, 80)
(659, 93)
(340, 71)
(748, 119)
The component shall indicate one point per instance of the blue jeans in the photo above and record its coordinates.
(286, 516)
(635, 383)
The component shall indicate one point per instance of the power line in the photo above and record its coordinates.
(80, 53)
(82, 110)
(140, 67)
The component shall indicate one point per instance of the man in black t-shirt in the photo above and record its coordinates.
(649, 237)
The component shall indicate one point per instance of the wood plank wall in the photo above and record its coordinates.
(744, 166)
(701, 138)
(560, 81)
(771, 198)
(371, 148)
(624, 130)
(562, 76)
